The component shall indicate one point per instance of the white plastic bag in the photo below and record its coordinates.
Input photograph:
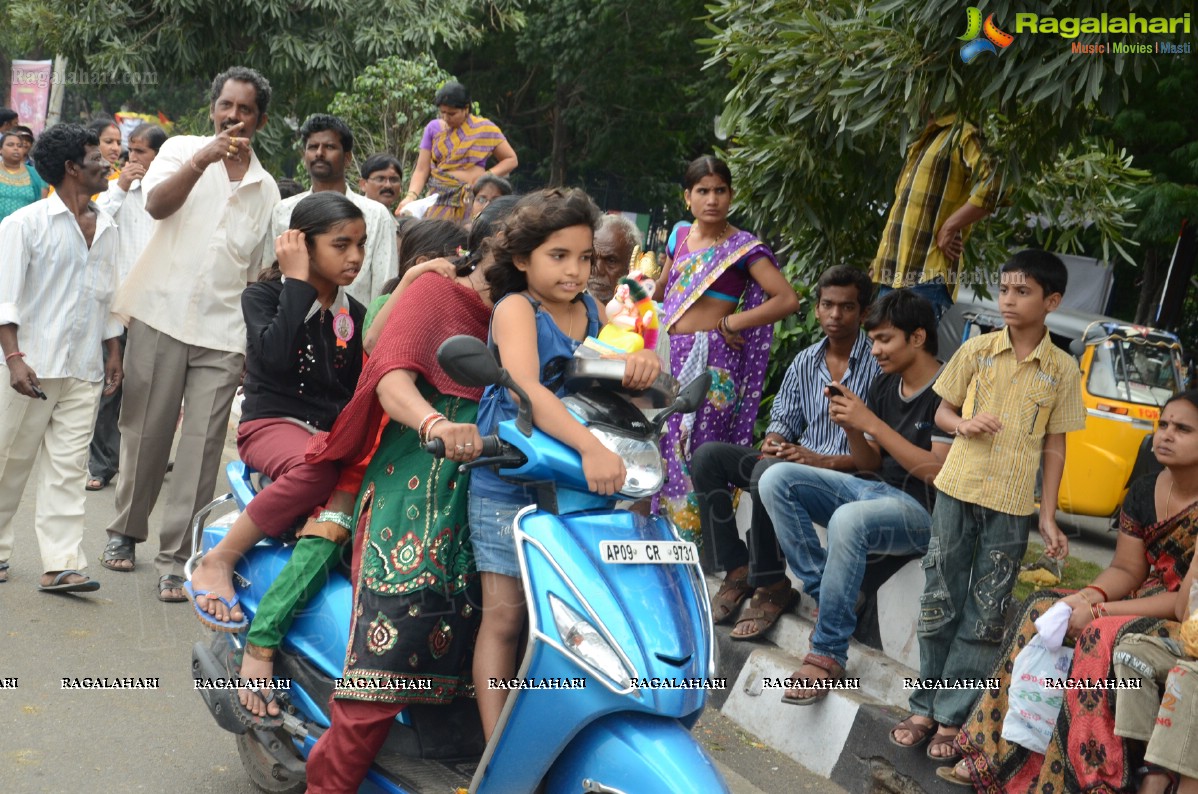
(1033, 707)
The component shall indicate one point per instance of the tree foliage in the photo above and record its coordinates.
(307, 48)
(825, 90)
(609, 94)
(390, 104)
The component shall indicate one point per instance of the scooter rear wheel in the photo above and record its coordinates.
(264, 771)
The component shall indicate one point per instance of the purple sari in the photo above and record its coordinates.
(737, 376)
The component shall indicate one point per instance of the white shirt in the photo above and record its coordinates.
(134, 224)
(188, 281)
(382, 259)
(57, 290)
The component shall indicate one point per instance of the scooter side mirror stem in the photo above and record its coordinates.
(687, 401)
(524, 410)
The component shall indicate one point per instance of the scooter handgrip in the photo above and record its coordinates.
(492, 446)
(436, 448)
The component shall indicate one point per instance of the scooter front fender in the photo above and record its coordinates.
(630, 753)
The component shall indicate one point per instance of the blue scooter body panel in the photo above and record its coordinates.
(652, 612)
(635, 753)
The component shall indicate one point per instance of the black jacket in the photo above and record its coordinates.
(293, 367)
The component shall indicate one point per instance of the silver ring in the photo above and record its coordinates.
(458, 447)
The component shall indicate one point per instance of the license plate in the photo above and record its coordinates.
(647, 552)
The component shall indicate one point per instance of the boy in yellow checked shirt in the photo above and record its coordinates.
(1021, 395)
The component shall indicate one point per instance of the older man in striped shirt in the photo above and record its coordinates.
(801, 431)
(57, 280)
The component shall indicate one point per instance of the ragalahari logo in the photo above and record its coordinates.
(981, 37)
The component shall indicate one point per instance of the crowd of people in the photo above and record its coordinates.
(187, 274)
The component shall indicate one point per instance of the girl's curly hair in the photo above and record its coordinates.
(536, 217)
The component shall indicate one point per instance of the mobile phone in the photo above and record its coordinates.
(38, 393)
(834, 391)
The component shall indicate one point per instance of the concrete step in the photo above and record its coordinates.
(845, 737)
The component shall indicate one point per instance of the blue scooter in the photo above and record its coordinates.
(620, 649)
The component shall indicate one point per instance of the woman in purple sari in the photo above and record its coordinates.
(723, 292)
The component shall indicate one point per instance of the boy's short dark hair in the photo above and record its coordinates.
(56, 146)
(7, 115)
(1044, 268)
(846, 276)
(152, 134)
(908, 312)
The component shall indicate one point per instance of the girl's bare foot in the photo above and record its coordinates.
(214, 576)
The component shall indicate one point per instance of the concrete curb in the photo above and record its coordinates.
(844, 738)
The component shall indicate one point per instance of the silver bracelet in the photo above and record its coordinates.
(343, 520)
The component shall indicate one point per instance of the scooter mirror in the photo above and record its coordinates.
(692, 394)
(687, 402)
(468, 361)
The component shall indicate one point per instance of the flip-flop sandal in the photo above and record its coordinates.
(59, 586)
(171, 581)
(921, 733)
(97, 483)
(728, 598)
(227, 626)
(3, 572)
(949, 774)
(816, 693)
(252, 720)
(764, 612)
(119, 549)
(939, 740)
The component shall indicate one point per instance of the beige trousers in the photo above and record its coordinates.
(59, 427)
(160, 374)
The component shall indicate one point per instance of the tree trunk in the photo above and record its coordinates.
(1150, 287)
(557, 158)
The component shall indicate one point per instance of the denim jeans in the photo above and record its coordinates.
(970, 568)
(863, 517)
(935, 292)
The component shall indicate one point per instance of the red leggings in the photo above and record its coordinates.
(276, 448)
(343, 754)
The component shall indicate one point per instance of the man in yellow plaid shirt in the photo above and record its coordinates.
(946, 185)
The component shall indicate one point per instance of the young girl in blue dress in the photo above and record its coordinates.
(542, 263)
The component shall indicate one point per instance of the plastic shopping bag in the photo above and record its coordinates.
(1032, 706)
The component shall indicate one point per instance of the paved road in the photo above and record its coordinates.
(54, 740)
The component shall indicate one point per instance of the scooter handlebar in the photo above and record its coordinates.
(492, 446)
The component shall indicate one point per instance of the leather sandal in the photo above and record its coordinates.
(765, 607)
(939, 740)
(921, 733)
(728, 599)
(811, 691)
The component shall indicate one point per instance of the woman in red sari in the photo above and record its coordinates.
(454, 153)
(1137, 594)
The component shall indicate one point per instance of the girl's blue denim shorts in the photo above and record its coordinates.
(491, 534)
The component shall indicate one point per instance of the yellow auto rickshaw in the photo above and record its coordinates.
(1128, 373)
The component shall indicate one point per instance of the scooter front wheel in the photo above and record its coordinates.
(264, 771)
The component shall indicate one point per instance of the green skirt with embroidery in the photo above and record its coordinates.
(417, 599)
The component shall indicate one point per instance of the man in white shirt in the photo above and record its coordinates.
(57, 279)
(212, 201)
(125, 201)
(328, 146)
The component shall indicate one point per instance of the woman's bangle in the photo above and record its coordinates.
(411, 193)
(1101, 592)
(16, 354)
(431, 425)
(1094, 611)
(195, 167)
(426, 424)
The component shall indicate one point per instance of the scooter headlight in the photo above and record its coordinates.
(583, 640)
(642, 459)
